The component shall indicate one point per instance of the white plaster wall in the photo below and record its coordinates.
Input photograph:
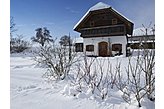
(113, 40)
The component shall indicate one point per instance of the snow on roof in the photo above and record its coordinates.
(98, 6)
(122, 15)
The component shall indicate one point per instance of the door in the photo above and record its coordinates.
(103, 48)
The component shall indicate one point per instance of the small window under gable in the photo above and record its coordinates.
(89, 47)
(92, 23)
(114, 21)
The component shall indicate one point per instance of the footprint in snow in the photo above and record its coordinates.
(18, 67)
(26, 88)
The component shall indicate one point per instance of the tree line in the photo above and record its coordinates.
(43, 36)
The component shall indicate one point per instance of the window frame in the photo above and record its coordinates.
(90, 48)
(92, 23)
(114, 21)
(117, 47)
(79, 47)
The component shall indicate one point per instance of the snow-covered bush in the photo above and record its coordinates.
(92, 77)
(148, 67)
(56, 60)
(96, 78)
(139, 79)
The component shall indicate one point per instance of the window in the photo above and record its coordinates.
(89, 47)
(114, 21)
(92, 23)
(79, 47)
(117, 47)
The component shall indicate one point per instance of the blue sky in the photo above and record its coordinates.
(60, 16)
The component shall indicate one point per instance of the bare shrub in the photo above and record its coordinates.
(148, 67)
(136, 86)
(134, 83)
(18, 44)
(148, 60)
(92, 75)
(122, 83)
(56, 59)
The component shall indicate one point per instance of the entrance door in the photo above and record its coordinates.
(103, 48)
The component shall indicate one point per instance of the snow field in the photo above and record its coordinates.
(30, 91)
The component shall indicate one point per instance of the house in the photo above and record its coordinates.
(104, 31)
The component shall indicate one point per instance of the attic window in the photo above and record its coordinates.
(92, 23)
(114, 21)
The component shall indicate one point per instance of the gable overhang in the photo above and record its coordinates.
(127, 22)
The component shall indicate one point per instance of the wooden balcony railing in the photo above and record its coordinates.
(103, 31)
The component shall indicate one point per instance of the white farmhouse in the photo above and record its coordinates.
(104, 31)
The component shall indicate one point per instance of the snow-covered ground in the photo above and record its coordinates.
(29, 90)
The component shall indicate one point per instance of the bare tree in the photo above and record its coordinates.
(146, 29)
(12, 26)
(12, 30)
(149, 64)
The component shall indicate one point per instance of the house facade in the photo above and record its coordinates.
(104, 31)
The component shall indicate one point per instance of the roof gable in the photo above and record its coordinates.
(100, 6)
